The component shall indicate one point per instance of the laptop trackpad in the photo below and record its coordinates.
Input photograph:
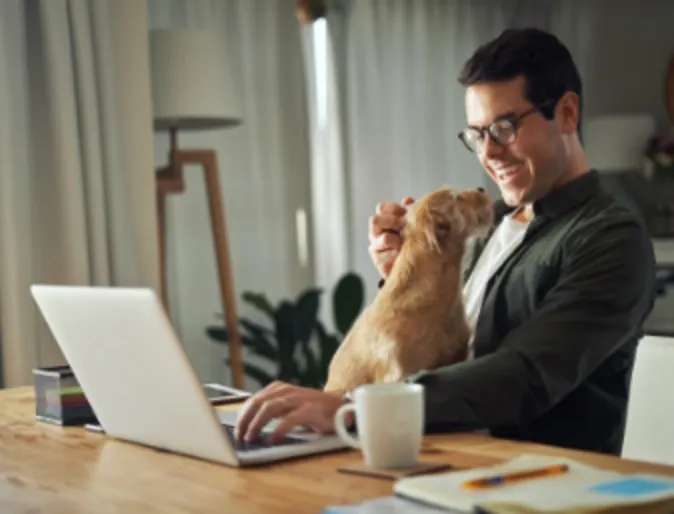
(228, 417)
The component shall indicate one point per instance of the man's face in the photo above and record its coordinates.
(530, 166)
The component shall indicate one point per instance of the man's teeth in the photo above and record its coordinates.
(505, 172)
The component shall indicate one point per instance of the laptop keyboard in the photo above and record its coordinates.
(261, 443)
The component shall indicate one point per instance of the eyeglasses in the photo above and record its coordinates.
(502, 131)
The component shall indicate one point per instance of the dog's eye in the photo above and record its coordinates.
(443, 226)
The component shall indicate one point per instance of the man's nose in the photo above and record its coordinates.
(490, 148)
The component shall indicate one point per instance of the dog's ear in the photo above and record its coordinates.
(438, 217)
(441, 225)
(432, 237)
(446, 220)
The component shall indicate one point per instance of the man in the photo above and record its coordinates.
(557, 294)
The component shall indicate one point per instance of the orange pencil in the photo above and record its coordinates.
(481, 483)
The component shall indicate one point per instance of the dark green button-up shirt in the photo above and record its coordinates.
(560, 320)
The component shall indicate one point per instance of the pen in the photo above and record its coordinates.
(480, 483)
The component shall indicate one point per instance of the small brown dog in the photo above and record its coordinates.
(417, 320)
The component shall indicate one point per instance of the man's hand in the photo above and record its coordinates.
(384, 234)
(292, 405)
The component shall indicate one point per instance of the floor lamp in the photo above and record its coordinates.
(192, 90)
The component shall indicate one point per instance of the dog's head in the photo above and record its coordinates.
(445, 216)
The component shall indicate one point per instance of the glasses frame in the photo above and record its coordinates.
(514, 119)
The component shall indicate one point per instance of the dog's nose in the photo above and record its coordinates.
(480, 189)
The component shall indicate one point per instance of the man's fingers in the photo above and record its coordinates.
(384, 250)
(246, 414)
(253, 404)
(389, 218)
(271, 409)
(308, 415)
(387, 242)
(390, 209)
(293, 419)
(383, 223)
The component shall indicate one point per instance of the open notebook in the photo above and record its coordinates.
(582, 489)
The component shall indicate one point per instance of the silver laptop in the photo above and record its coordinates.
(136, 375)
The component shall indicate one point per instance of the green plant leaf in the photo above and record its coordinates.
(253, 326)
(286, 340)
(328, 345)
(347, 301)
(217, 333)
(259, 301)
(261, 348)
(312, 374)
(261, 337)
(257, 343)
(221, 335)
(255, 372)
(306, 312)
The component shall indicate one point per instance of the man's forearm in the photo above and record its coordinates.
(493, 390)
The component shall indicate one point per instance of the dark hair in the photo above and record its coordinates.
(542, 59)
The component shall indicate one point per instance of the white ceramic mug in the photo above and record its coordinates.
(390, 423)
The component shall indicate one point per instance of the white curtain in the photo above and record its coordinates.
(264, 167)
(393, 66)
(331, 237)
(76, 182)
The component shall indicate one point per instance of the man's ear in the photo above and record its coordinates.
(568, 112)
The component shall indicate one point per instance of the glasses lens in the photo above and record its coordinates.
(470, 138)
(503, 132)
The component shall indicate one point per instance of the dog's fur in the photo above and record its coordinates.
(417, 320)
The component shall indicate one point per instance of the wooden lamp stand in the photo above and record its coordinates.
(170, 180)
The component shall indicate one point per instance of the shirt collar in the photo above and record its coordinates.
(560, 200)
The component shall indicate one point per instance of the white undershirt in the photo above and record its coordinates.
(507, 236)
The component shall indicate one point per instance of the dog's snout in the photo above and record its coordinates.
(480, 189)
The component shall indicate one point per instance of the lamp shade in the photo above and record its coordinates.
(192, 87)
(616, 142)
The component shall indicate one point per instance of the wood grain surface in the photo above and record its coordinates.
(50, 469)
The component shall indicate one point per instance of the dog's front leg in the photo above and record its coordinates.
(346, 372)
(392, 373)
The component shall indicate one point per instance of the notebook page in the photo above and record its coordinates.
(545, 494)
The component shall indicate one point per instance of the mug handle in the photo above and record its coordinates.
(341, 428)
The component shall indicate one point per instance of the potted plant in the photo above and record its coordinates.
(295, 341)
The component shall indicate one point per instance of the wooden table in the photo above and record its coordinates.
(50, 469)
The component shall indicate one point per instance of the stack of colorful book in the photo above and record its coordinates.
(59, 398)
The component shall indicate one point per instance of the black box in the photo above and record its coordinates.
(59, 399)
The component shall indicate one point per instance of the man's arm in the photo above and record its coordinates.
(602, 297)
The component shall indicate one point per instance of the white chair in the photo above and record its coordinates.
(649, 431)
